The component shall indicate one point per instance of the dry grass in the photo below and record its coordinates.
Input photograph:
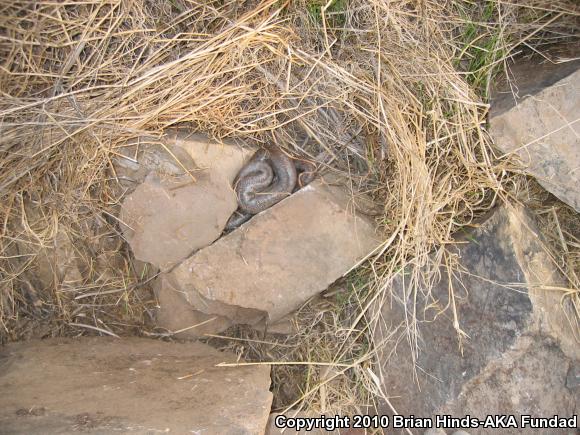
(392, 93)
(560, 226)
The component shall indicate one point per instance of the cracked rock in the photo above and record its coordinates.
(279, 259)
(183, 198)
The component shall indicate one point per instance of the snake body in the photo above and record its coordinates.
(265, 180)
(257, 189)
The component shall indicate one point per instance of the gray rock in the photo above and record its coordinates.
(280, 258)
(529, 77)
(543, 128)
(169, 215)
(501, 306)
(138, 386)
(573, 377)
(527, 380)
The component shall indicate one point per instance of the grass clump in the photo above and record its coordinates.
(484, 49)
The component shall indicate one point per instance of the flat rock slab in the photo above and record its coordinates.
(169, 215)
(543, 128)
(138, 386)
(507, 318)
(165, 225)
(280, 258)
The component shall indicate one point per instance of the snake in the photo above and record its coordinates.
(269, 176)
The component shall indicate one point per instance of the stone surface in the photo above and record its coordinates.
(144, 155)
(137, 386)
(222, 159)
(168, 216)
(543, 128)
(528, 379)
(285, 326)
(511, 318)
(280, 258)
(529, 77)
(179, 318)
(573, 377)
(164, 225)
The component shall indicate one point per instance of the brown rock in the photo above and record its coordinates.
(138, 386)
(223, 159)
(145, 155)
(285, 326)
(280, 258)
(165, 225)
(543, 128)
(170, 215)
(179, 318)
(510, 316)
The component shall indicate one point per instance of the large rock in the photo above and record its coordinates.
(517, 344)
(279, 259)
(527, 380)
(542, 127)
(184, 198)
(137, 386)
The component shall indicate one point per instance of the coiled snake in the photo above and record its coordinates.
(269, 177)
